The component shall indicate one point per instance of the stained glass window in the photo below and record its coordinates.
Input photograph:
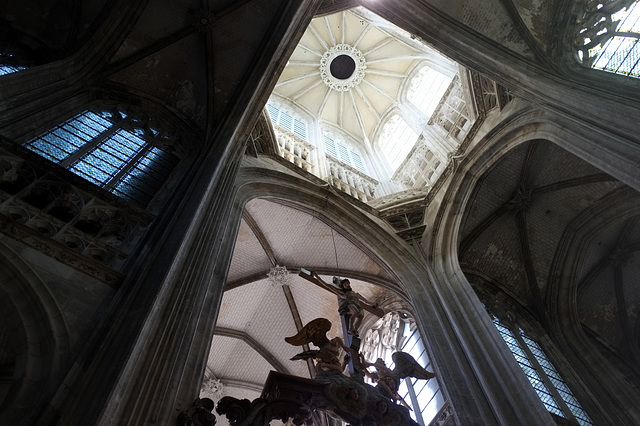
(112, 150)
(550, 387)
(397, 332)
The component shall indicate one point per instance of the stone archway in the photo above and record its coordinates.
(36, 333)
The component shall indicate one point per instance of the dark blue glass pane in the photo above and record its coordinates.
(104, 160)
(143, 176)
(95, 121)
(127, 145)
(131, 191)
(47, 150)
(121, 156)
(86, 132)
(8, 69)
(89, 172)
(71, 138)
(127, 192)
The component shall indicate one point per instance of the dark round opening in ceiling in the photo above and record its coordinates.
(342, 67)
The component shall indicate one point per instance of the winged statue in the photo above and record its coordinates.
(327, 356)
(388, 380)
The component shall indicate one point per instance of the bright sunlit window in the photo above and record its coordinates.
(548, 384)
(426, 89)
(286, 121)
(621, 53)
(396, 140)
(397, 332)
(343, 152)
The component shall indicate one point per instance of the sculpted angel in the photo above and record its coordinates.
(388, 380)
(327, 356)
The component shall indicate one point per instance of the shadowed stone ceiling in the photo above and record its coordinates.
(552, 232)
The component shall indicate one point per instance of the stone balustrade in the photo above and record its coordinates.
(296, 150)
(350, 180)
(420, 169)
(90, 233)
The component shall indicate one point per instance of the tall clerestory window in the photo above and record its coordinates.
(287, 122)
(396, 140)
(343, 152)
(548, 384)
(608, 34)
(112, 149)
(398, 332)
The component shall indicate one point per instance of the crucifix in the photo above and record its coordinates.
(351, 305)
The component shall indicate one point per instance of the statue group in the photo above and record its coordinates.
(355, 401)
(335, 391)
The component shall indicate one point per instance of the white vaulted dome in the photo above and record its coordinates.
(353, 70)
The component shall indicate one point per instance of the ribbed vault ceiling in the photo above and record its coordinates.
(257, 314)
(381, 56)
(553, 233)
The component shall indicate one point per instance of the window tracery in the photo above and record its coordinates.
(396, 331)
(545, 379)
(120, 152)
(607, 36)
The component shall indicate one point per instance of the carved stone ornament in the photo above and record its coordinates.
(295, 399)
(331, 78)
(199, 414)
(278, 275)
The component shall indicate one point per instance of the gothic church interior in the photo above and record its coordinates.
(169, 170)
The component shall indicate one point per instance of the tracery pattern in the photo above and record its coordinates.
(546, 381)
(397, 332)
(112, 149)
(607, 36)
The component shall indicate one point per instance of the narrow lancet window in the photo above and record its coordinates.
(545, 379)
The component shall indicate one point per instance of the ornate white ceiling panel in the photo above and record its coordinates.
(348, 72)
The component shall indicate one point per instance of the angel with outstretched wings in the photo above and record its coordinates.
(388, 380)
(327, 356)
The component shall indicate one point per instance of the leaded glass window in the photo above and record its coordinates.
(288, 122)
(396, 140)
(548, 384)
(397, 332)
(343, 152)
(111, 149)
(609, 32)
